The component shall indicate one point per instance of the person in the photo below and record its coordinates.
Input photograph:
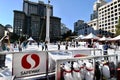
(38, 44)
(42, 44)
(2, 56)
(46, 47)
(58, 46)
(76, 43)
(24, 44)
(20, 47)
(66, 46)
(105, 48)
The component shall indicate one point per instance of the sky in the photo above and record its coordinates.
(68, 10)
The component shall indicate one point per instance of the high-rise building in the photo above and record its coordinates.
(64, 29)
(83, 28)
(80, 27)
(2, 31)
(105, 17)
(32, 21)
(96, 6)
(108, 16)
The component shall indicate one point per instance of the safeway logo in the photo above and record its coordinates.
(30, 61)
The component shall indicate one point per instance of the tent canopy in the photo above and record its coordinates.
(80, 37)
(30, 39)
(91, 36)
(116, 38)
(104, 38)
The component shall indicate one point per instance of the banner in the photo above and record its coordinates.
(29, 63)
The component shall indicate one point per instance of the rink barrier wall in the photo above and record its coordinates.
(94, 58)
(90, 51)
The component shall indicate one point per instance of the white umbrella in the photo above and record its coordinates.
(91, 36)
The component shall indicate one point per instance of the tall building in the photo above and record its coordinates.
(32, 21)
(96, 6)
(104, 18)
(2, 31)
(80, 27)
(64, 29)
(92, 26)
(108, 17)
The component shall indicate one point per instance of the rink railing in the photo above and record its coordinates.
(62, 62)
(17, 57)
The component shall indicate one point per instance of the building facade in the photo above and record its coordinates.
(96, 6)
(104, 18)
(80, 27)
(2, 31)
(64, 29)
(94, 25)
(32, 21)
(108, 17)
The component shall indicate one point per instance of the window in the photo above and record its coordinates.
(116, 18)
(115, 10)
(115, 14)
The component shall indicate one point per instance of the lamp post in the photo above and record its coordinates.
(48, 22)
(20, 36)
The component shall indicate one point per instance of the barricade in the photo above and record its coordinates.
(35, 64)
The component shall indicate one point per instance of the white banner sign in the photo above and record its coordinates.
(28, 64)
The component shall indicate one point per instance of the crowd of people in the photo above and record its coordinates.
(44, 46)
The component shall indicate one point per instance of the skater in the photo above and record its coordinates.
(42, 44)
(105, 50)
(58, 46)
(46, 46)
(66, 46)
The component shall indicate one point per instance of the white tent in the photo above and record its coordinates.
(116, 38)
(30, 39)
(104, 38)
(80, 37)
(91, 36)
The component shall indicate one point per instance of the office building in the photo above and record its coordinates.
(2, 31)
(108, 17)
(32, 21)
(64, 29)
(104, 18)
(80, 27)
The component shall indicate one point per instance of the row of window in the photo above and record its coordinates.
(110, 5)
(105, 19)
(110, 12)
(108, 23)
(110, 8)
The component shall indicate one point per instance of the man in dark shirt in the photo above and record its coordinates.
(105, 50)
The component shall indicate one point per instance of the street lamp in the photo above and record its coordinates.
(48, 22)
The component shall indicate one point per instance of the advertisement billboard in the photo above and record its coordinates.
(28, 64)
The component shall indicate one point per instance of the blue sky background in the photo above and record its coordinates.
(68, 10)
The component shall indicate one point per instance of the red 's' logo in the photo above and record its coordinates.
(30, 61)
